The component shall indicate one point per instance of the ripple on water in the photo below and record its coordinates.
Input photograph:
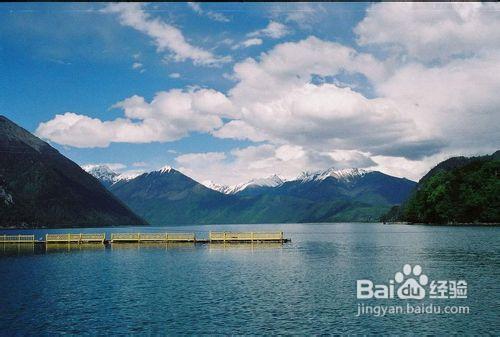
(305, 287)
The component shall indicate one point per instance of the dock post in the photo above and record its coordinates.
(138, 237)
(224, 237)
(69, 238)
(46, 238)
(251, 236)
(281, 237)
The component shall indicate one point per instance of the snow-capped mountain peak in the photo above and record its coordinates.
(101, 172)
(218, 187)
(166, 169)
(345, 175)
(128, 175)
(271, 181)
(107, 176)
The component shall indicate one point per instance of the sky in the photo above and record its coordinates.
(227, 92)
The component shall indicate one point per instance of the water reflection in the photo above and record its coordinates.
(306, 287)
(152, 245)
(67, 247)
(244, 246)
(16, 248)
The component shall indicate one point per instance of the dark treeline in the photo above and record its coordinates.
(458, 190)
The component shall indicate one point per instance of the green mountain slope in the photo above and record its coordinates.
(458, 190)
(40, 187)
(169, 197)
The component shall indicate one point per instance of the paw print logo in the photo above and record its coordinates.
(412, 281)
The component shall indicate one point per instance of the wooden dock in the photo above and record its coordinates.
(152, 237)
(121, 238)
(75, 238)
(17, 238)
(232, 237)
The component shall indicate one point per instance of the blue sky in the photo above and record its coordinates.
(228, 92)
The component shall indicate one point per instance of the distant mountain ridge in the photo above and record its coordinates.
(39, 187)
(106, 175)
(167, 196)
(276, 181)
(103, 173)
(345, 175)
(271, 181)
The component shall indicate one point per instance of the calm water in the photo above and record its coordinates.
(304, 287)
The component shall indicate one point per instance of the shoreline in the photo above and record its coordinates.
(476, 224)
(456, 224)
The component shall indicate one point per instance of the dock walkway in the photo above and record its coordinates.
(232, 237)
(17, 238)
(75, 238)
(152, 237)
(117, 238)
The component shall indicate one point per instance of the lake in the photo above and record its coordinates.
(304, 287)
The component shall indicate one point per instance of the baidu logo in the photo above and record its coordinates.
(411, 283)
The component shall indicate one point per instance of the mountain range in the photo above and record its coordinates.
(39, 187)
(167, 196)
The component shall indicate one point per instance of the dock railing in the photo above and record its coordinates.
(215, 237)
(17, 238)
(246, 237)
(152, 237)
(75, 238)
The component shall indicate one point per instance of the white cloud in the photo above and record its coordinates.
(434, 95)
(138, 66)
(252, 42)
(169, 116)
(326, 116)
(264, 160)
(196, 7)
(292, 64)
(306, 15)
(248, 43)
(174, 75)
(405, 168)
(446, 79)
(430, 31)
(459, 100)
(238, 129)
(76, 130)
(166, 37)
(274, 30)
(279, 104)
(200, 158)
